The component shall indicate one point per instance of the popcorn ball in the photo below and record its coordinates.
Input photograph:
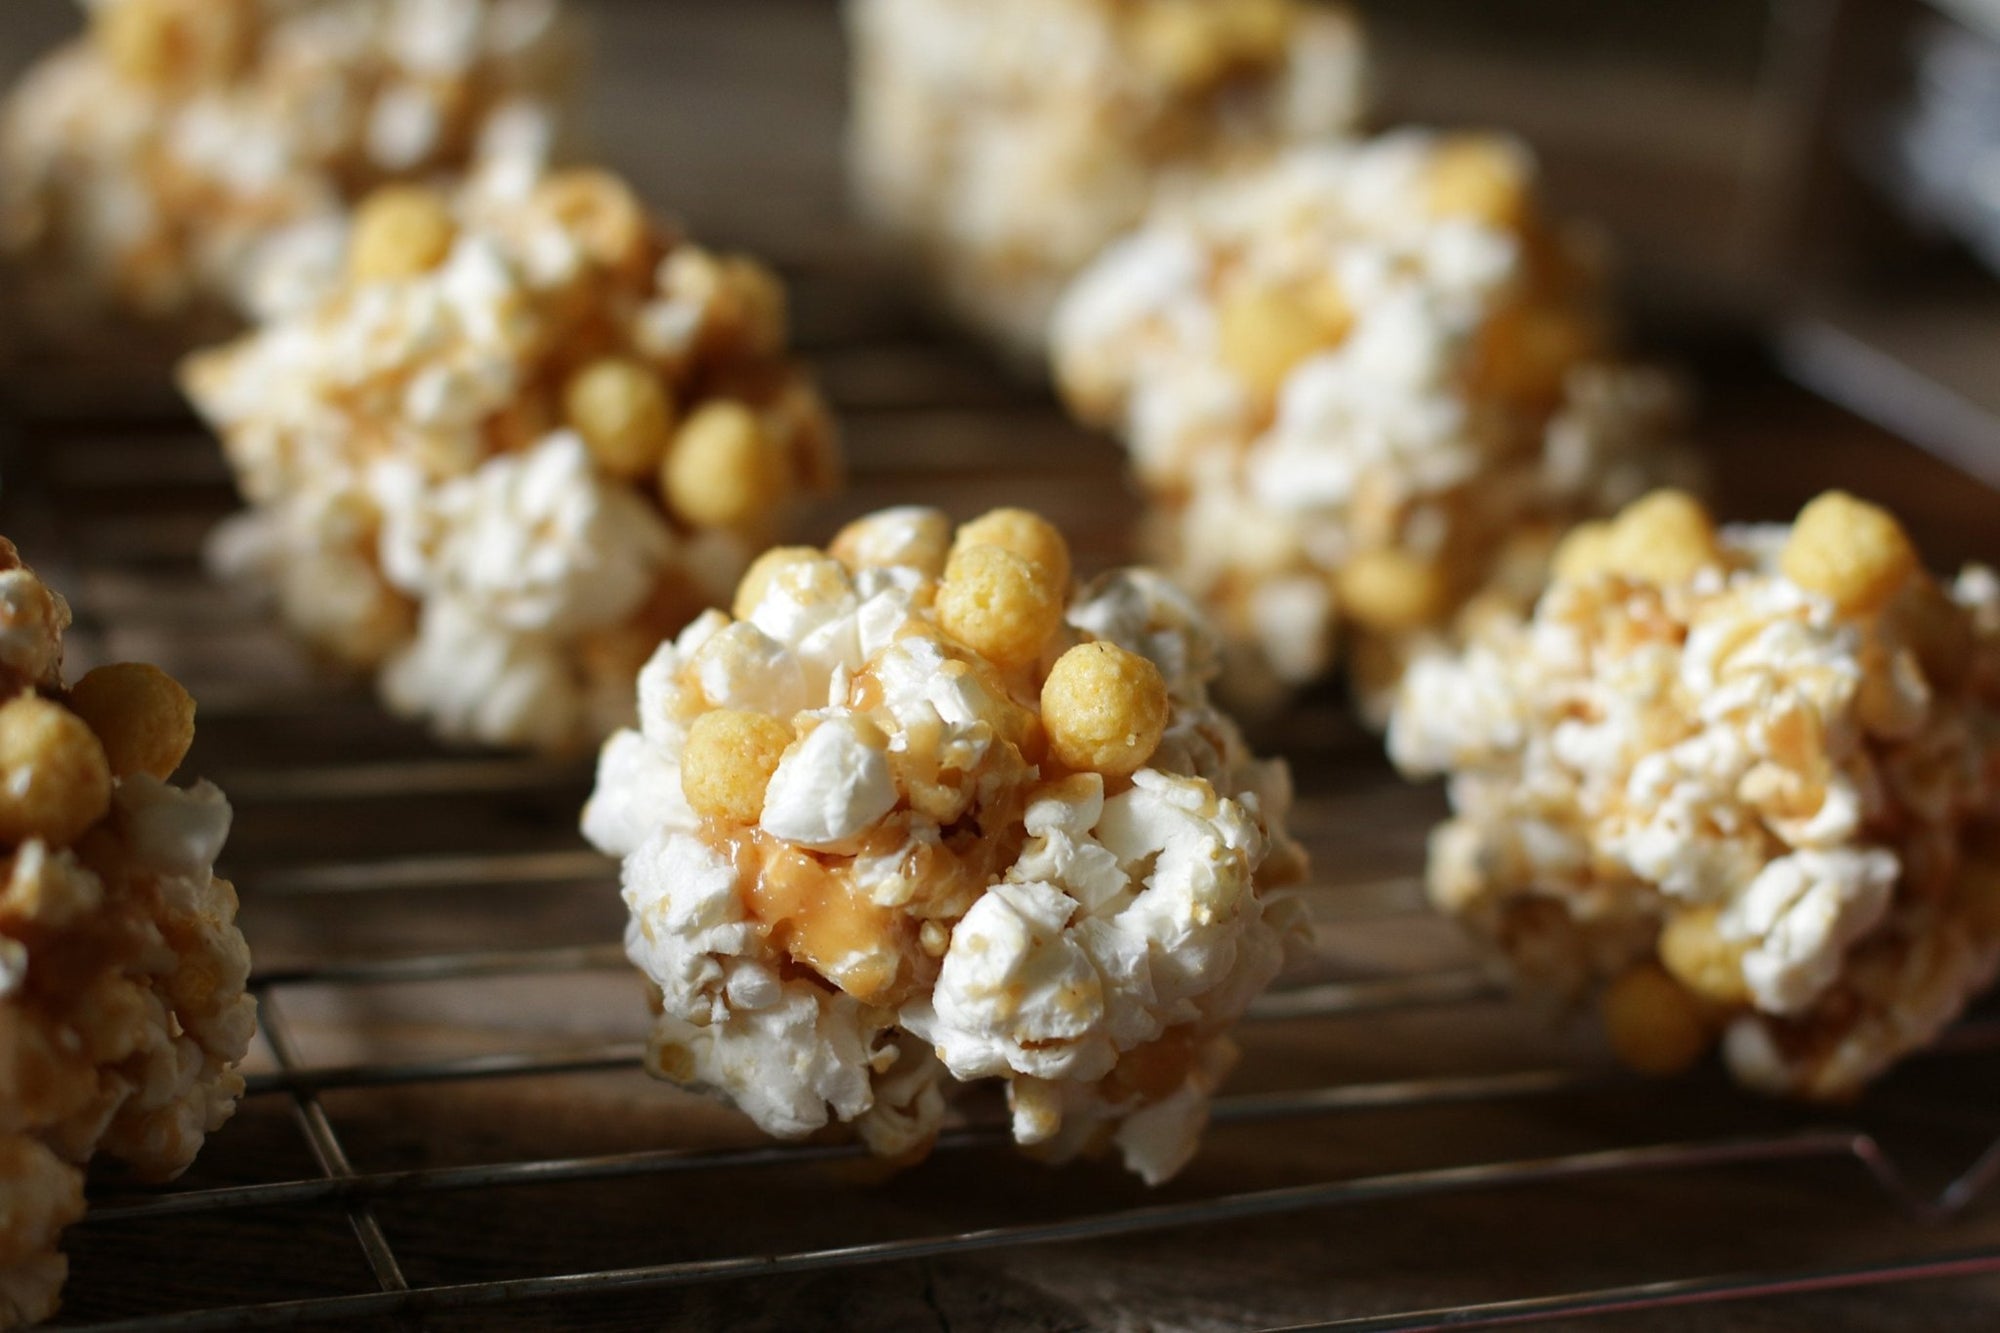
(122, 1007)
(1740, 784)
(1010, 142)
(532, 433)
(197, 157)
(923, 812)
(1362, 387)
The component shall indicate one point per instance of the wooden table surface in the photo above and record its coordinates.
(352, 831)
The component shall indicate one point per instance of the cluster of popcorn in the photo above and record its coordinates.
(189, 157)
(122, 1006)
(922, 811)
(1364, 388)
(529, 435)
(1011, 142)
(1747, 782)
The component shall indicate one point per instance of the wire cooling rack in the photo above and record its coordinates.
(443, 1000)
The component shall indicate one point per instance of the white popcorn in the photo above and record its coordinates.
(434, 498)
(1802, 913)
(1701, 773)
(188, 160)
(832, 787)
(42, 1194)
(32, 620)
(1360, 383)
(923, 895)
(1012, 142)
(539, 541)
(123, 1013)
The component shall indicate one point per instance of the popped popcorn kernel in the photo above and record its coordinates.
(911, 536)
(999, 604)
(1849, 550)
(727, 765)
(623, 413)
(722, 470)
(123, 1013)
(45, 1196)
(1105, 709)
(208, 162)
(868, 860)
(1653, 1023)
(140, 714)
(1724, 798)
(496, 480)
(1363, 386)
(400, 231)
(1026, 534)
(1010, 144)
(54, 779)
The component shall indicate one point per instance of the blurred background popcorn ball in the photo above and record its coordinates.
(196, 158)
(532, 432)
(1740, 784)
(1011, 142)
(1362, 388)
(123, 1014)
(922, 812)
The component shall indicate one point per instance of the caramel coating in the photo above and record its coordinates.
(999, 605)
(1192, 44)
(1026, 534)
(1653, 1023)
(623, 412)
(141, 715)
(55, 781)
(1391, 590)
(1528, 352)
(400, 232)
(1976, 894)
(766, 567)
(728, 762)
(761, 312)
(1851, 551)
(1939, 631)
(1266, 332)
(723, 471)
(1105, 709)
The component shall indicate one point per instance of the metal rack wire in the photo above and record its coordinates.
(178, 487)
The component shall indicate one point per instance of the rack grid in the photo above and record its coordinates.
(142, 593)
